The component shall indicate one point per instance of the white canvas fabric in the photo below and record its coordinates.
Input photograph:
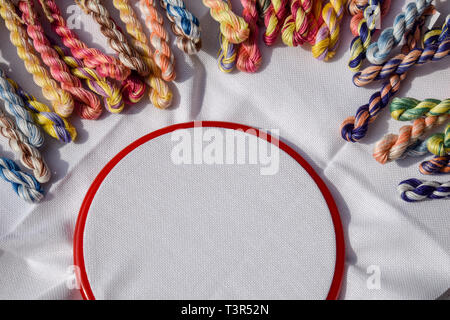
(395, 250)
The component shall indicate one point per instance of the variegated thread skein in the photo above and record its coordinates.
(159, 38)
(15, 106)
(378, 52)
(228, 51)
(30, 157)
(327, 39)
(436, 48)
(88, 103)
(23, 184)
(111, 93)
(303, 22)
(413, 190)
(61, 101)
(116, 39)
(52, 123)
(160, 93)
(106, 65)
(233, 27)
(249, 55)
(439, 143)
(184, 25)
(437, 165)
(274, 20)
(358, 14)
(426, 114)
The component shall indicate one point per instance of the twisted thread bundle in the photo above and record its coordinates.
(23, 184)
(437, 165)
(29, 156)
(273, 20)
(327, 39)
(249, 56)
(184, 25)
(355, 128)
(160, 93)
(88, 103)
(159, 38)
(62, 101)
(413, 190)
(52, 123)
(15, 106)
(378, 52)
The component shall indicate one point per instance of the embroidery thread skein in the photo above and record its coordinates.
(111, 93)
(249, 57)
(274, 20)
(88, 103)
(61, 100)
(184, 25)
(106, 65)
(233, 27)
(413, 190)
(160, 93)
(30, 157)
(383, 71)
(378, 52)
(302, 24)
(355, 128)
(439, 143)
(15, 106)
(437, 165)
(366, 28)
(159, 38)
(116, 39)
(358, 14)
(227, 52)
(23, 184)
(52, 123)
(327, 39)
(406, 143)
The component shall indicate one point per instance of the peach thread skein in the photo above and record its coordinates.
(249, 56)
(159, 38)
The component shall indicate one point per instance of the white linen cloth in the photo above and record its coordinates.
(409, 244)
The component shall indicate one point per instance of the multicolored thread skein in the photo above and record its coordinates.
(249, 56)
(227, 54)
(383, 71)
(160, 93)
(15, 106)
(302, 24)
(111, 93)
(105, 65)
(378, 52)
(274, 20)
(366, 28)
(116, 39)
(413, 190)
(184, 25)
(437, 165)
(355, 128)
(88, 104)
(426, 114)
(61, 100)
(29, 156)
(232, 27)
(356, 9)
(159, 39)
(327, 39)
(23, 184)
(52, 123)
(439, 143)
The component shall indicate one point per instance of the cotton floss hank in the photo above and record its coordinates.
(52, 123)
(413, 190)
(61, 100)
(25, 185)
(15, 106)
(159, 39)
(249, 56)
(88, 104)
(185, 26)
(160, 93)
